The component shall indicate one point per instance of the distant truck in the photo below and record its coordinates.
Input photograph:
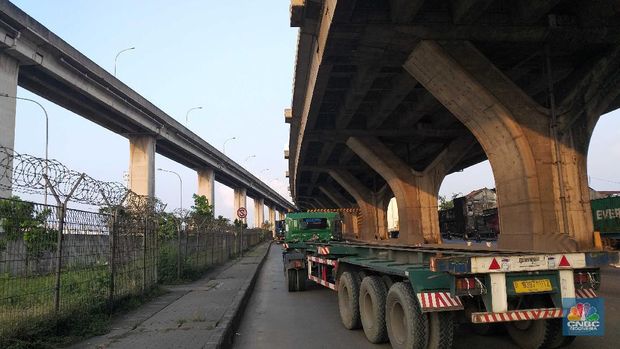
(413, 296)
(606, 219)
(462, 222)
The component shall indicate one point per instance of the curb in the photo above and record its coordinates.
(223, 337)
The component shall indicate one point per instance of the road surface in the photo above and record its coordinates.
(276, 318)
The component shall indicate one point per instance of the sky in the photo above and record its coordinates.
(235, 59)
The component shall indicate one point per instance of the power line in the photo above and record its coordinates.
(605, 180)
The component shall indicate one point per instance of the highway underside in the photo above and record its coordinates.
(276, 318)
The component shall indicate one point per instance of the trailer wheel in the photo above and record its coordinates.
(300, 279)
(348, 300)
(534, 334)
(291, 280)
(407, 327)
(559, 340)
(440, 330)
(372, 308)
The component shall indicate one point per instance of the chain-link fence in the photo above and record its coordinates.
(61, 263)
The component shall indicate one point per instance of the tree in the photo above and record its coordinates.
(20, 220)
(445, 204)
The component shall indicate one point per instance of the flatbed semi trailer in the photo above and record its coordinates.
(414, 295)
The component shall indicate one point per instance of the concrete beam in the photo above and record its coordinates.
(259, 212)
(335, 196)
(540, 177)
(468, 11)
(402, 85)
(206, 184)
(142, 165)
(9, 69)
(240, 200)
(403, 11)
(366, 201)
(531, 11)
(418, 131)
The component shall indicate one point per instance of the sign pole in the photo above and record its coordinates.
(242, 212)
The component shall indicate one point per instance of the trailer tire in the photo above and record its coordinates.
(407, 326)
(300, 279)
(372, 308)
(291, 280)
(440, 330)
(559, 340)
(534, 334)
(348, 300)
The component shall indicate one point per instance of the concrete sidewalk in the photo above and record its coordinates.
(202, 314)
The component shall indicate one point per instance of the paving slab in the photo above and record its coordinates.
(197, 315)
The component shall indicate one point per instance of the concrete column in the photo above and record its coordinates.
(415, 192)
(369, 227)
(543, 198)
(142, 165)
(9, 69)
(206, 184)
(240, 200)
(272, 220)
(259, 211)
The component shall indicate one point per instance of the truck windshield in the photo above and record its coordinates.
(313, 223)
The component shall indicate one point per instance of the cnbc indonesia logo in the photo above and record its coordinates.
(584, 319)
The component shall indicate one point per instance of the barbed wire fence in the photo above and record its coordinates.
(58, 262)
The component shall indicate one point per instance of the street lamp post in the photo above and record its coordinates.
(118, 54)
(46, 132)
(187, 114)
(226, 141)
(180, 184)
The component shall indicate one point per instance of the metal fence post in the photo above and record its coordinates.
(61, 227)
(144, 254)
(112, 264)
(179, 251)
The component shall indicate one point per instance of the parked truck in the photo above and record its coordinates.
(606, 218)
(414, 295)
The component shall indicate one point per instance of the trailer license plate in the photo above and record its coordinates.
(528, 286)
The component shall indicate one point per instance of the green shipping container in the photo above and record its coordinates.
(606, 215)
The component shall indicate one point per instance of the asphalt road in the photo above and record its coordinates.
(276, 318)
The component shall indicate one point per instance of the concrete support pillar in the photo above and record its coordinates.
(9, 68)
(540, 177)
(259, 212)
(272, 220)
(240, 200)
(415, 192)
(142, 165)
(206, 184)
(366, 200)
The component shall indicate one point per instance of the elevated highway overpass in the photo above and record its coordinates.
(36, 59)
(390, 96)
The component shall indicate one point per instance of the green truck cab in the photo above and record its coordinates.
(303, 228)
(313, 226)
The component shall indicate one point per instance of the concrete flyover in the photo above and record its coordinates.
(35, 58)
(390, 96)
